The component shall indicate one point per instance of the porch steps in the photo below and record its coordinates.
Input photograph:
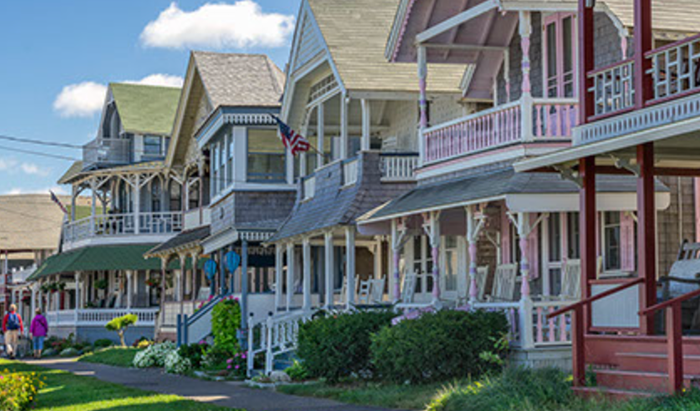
(610, 393)
(656, 362)
(639, 380)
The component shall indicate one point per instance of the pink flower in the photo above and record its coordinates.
(243, 355)
(229, 361)
(202, 342)
(228, 367)
(238, 366)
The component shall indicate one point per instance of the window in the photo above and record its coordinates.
(573, 233)
(215, 170)
(152, 146)
(266, 156)
(611, 241)
(450, 264)
(422, 264)
(175, 196)
(560, 57)
(229, 165)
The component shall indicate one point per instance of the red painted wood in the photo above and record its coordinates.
(646, 233)
(586, 60)
(670, 303)
(627, 243)
(587, 230)
(656, 362)
(643, 43)
(674, 335)
(578, 354)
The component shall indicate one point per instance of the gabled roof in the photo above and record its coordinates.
(146, 109)
(240, 80)
(356, 33)
(667, 15)
(30, 222)
(73, 171)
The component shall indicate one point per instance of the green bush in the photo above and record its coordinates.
(102, 343)
(440, 346)
(335, 347)
(194, 353)
(225, 323)
(297, 372)
(18, 390)
(120, 324)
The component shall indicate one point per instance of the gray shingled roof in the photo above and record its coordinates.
(184, 238)
(334, 205)
(240, 80)
(496, 184)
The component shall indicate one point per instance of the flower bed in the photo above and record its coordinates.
(18, 390)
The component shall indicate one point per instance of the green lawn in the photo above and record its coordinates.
(68, 392)
(411, 397)
(116, 356)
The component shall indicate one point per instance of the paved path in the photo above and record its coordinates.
(225, 394)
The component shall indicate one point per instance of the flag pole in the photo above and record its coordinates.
(311, 146)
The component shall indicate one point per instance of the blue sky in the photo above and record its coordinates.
(71, 48)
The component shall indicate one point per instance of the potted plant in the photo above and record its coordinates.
(101, 284)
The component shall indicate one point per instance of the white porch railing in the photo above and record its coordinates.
(398, 166)
(99, 317)
(674, 68)
(274, 336)
(523, 120)
(109, 225)
(309, 187)
(350, 171)
(613, 88)
(107, 152)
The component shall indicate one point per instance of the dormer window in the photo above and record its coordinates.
(152, 145)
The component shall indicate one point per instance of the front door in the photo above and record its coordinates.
(559, 55)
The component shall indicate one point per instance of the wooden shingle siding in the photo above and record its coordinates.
(677, 222)
(251, 209)
(310, 45)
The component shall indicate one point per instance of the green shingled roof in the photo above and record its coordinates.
(146, 109)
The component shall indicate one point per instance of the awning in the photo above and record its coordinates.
(525, 192)
(109, 257)
(183, 240)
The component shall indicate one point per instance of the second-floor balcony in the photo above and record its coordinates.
(673, 75)
(524, 120)
(107, 152)
(107, 226)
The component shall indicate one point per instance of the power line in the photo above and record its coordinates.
(38, 153)
(39, 142)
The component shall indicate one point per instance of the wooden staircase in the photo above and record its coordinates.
(627, 367)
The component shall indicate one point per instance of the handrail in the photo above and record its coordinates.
(594, 298)
(666, 304)
(610, 67)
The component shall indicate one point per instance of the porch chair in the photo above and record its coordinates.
(504, 279)
(684, 277)
(377, 293)
(363, 294)
(571, 281)
(408, 287)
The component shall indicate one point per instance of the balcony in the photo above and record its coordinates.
(106, 152)
(675, 97)
(525, 120)
(196, 218)
(123, 225)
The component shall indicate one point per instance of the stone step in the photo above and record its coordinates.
(610, 393)
(656, 362)
(655, 382)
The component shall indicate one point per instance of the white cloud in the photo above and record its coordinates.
(58, 190)
(80, 100)
(86, 99)
(159, 79)
(14, 166)
(218, 25)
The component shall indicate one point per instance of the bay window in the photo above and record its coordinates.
(266, 156)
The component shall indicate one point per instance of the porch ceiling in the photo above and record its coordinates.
(479, 40)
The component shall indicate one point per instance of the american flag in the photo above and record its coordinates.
(291, 139)
(58, 202)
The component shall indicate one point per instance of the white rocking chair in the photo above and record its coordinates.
(504, 279)
(482, 274)
(571, 281)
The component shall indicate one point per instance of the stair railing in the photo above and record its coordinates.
(185, 322)
(674, 337)
(578, 327)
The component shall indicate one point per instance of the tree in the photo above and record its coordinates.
(120, 324)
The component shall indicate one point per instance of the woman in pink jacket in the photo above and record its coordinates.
(39, 328)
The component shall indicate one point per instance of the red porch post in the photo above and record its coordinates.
(582, 319)
(586, 60)
(643, 42)
(646, 232)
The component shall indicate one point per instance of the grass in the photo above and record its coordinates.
(68, 392)
(115, 356)
(407, 397)
(515, 389)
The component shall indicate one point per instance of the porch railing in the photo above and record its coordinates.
(274, 336)
(99, 317)
(398, 166)
(107, 152)
(309, 187)
(613, 88)
(350, 171)
(108, 225)
(524, 120)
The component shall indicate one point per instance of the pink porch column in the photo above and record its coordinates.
(422, 84)
(397, 274)
(436, 269)
(473, 287)
(524, 267)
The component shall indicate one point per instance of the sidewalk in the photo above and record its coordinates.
(225, 394)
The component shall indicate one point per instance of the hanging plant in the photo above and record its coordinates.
(152, 282)
(101, 284)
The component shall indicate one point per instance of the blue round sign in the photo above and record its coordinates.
(231, 261)
(210, 268)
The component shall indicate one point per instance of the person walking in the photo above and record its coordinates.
(39, 329)
(12, 327)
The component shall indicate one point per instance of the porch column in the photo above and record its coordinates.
(350, 264)
(378, 259)
(646, 231)
(473, 230)
(525, 27)
(398, 239)
(180, 283)
(74, 195)
(344, 140)
(290, 275)
(329, 266)
(423, 85)
(244, 291)
(586, 59)
(163, 285)
(306, 257)
(432, 229)
(320, 133)
(93, 205)
(366, 124)
(195, 290)
(137, 203)
(34, 290)
(279, 269)
(78, 291)
(524, 228)
(129, 288)
(643, 42)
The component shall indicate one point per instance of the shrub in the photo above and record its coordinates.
(215, 358)
(176, 364)
(236, 366)
(18, 390)
(120, 324)
(334, 347)
(297, 372)
(69, 352)
(102, 343)
(225, 322)
(154, 355)
(194, 353)
(440, 346)
(144, 343)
